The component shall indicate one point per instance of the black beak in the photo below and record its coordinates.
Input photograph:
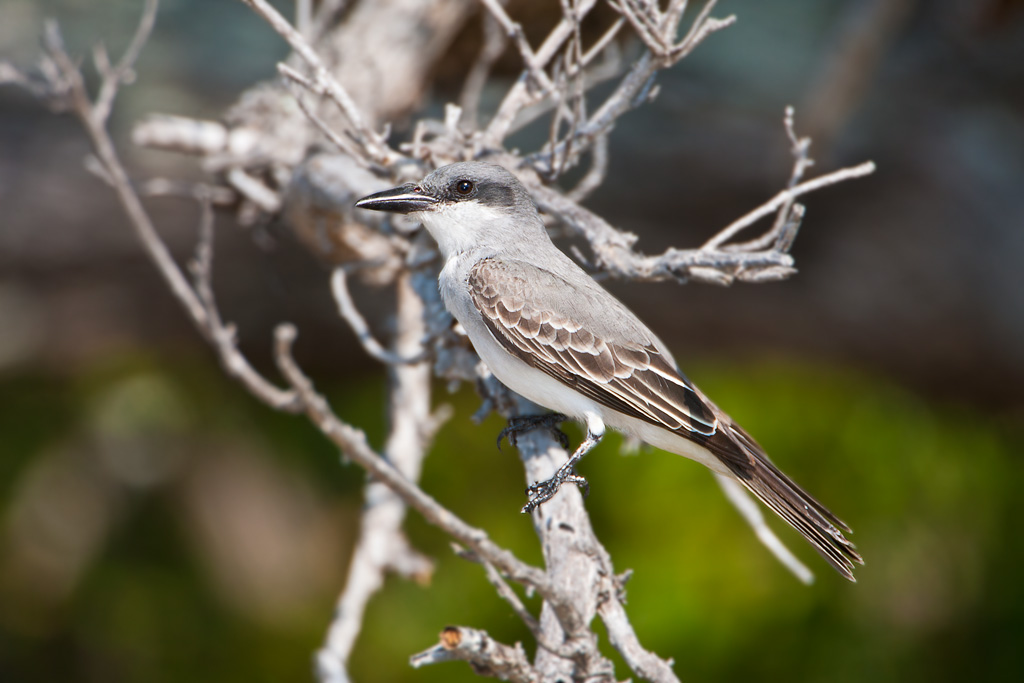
(403, 199)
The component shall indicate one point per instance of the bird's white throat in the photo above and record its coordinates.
(459, 227)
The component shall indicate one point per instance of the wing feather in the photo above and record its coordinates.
(633, 378)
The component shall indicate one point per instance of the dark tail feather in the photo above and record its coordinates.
(751, 466)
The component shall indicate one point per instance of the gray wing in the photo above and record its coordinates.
(526, 310)
(580, 335)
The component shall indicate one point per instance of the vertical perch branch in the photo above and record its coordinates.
(382, 545)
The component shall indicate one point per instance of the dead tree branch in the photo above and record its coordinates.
(324, 83)
(382, 547)
(63, 87)
(487, 656)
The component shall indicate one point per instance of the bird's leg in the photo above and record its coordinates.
(543, 491)
(524, 423)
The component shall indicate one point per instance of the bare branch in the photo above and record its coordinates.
(352, 442)
(66, 80)
(534, 67)
(495, 41)
(595, 174)
(519, 96)
(747, 507)
(614, 254)
(188, 136)
(637, 86)
(623, 638)
(382, 546)
(323, 83)
(787, 195)
(487, 656)
(603, 42)
(596, 74)
(643, 20)
(787, 218)
(703, 26)
(217, 195)
(506, 593)
(348, 310)
(343, 143)
(111, 78)
(254, 189)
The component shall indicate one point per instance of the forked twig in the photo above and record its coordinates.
(325, 83)
(787, 195)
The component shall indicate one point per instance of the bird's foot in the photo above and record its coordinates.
(524, 423)
(543, 491)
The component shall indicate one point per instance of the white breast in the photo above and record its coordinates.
(510, 371)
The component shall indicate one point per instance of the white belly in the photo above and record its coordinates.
(539, 387)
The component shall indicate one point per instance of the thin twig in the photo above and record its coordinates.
(293, 79)
(750, 511)
(644, 26)
(519, 96)
(730, 231)
(506, 593)
(352, 442)
(254, 189)
(595, 174)
(325, 84)
(623, 638)
(602, 43)
(487, 656)
(787, 220)
(112, 78)
(70, 85)
(633, 90)
(382, 546)
(800, 148)
(495, 41)
(703, 26)
(350, 313)
(217, 195)
(534, 67)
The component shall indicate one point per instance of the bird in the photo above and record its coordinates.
(549, 332)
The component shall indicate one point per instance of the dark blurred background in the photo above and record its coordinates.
(156, 524)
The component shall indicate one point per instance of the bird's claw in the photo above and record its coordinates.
(524, 423)
(543, 491)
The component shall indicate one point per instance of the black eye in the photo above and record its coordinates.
(464, 187)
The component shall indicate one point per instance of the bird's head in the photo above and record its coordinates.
(464, 205)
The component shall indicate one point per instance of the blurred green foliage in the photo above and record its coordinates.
(930, 490)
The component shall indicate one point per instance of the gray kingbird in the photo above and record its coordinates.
(548, 331)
